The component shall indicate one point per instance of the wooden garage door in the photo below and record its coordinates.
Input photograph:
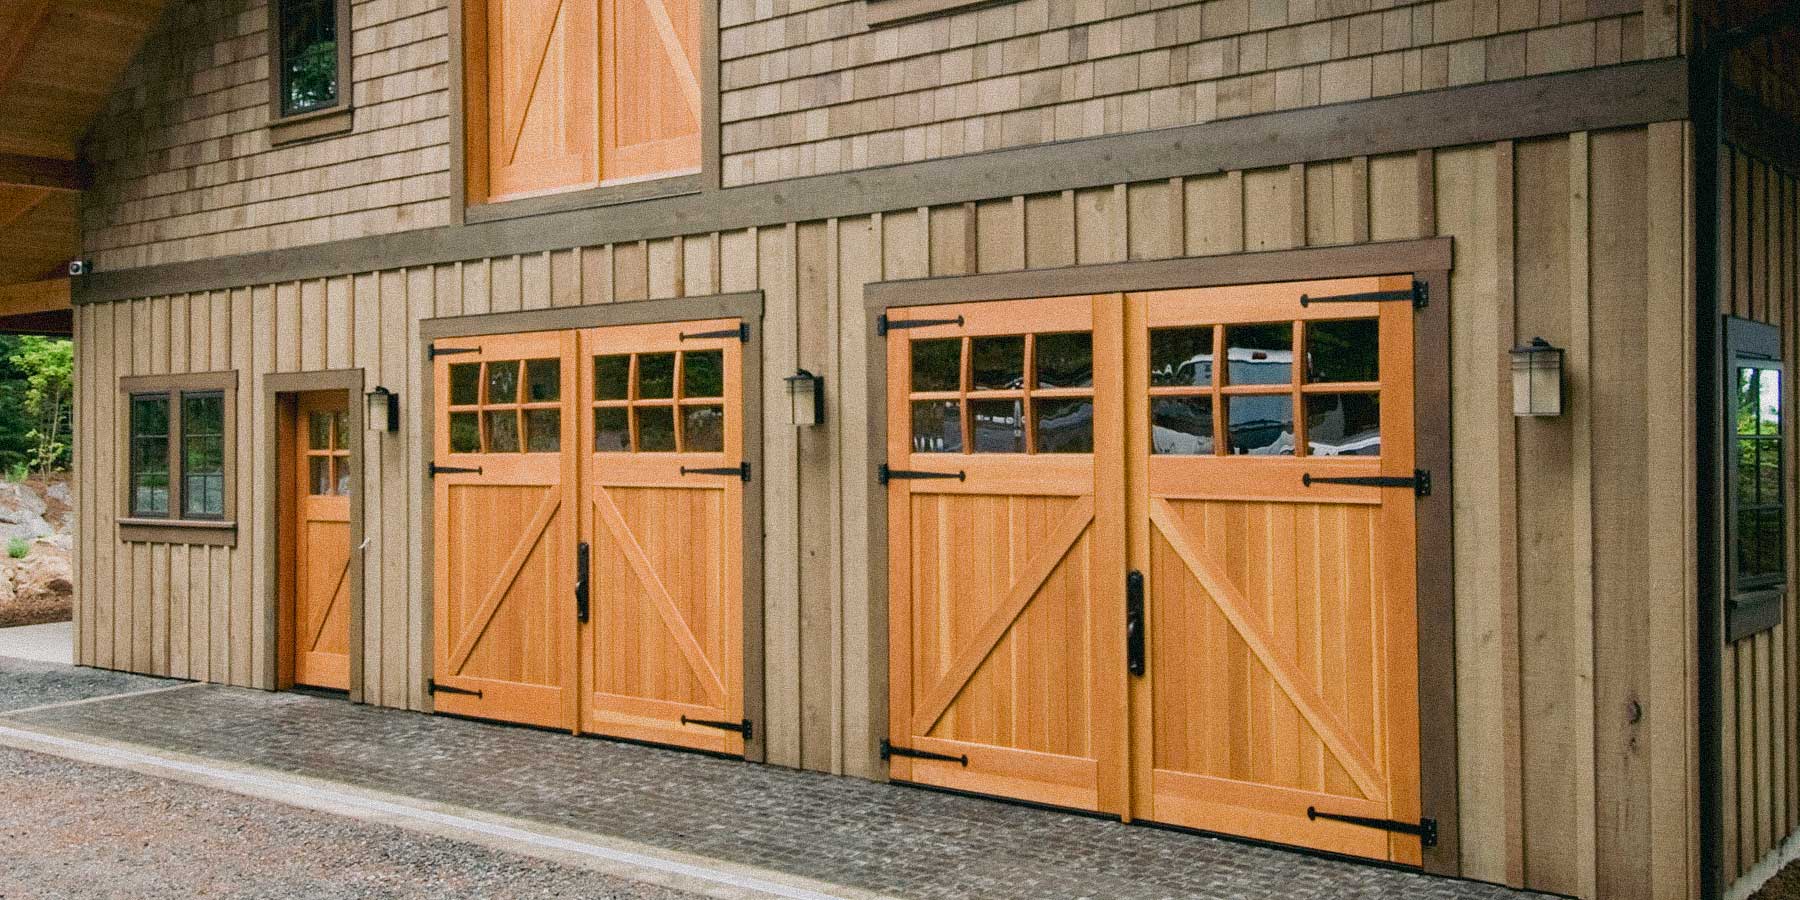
(662, 518)
(1005, 666)
(503, 596)
(1281, 670)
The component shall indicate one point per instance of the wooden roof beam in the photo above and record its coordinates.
(42, 172)
(34, 297)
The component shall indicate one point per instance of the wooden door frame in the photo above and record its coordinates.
(281, 392)
(746, 306)
(1428, 260)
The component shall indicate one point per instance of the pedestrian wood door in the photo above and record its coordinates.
(321, 536)
(589, 540)
(1251, 643)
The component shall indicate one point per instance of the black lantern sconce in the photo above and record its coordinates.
(806, 398)
(381, 410)
(1537, 379)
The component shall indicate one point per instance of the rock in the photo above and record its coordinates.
(60, 492)
(21, 512)
(44, 575)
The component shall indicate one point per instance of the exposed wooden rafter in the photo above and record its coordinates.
(18, 30)
(42, 172)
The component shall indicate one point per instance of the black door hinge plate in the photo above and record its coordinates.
(435, 688)
(742, 333)
(436, 351)
(433, 470)
(888, 749)
(1419, 296)
(883, 474)
(883, 324)
(741, 470)
(1425, 830)
(744, 727)
(1420, 482)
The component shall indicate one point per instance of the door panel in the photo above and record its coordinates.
(664, 639)
(1003, 597)
(542, 115)
(650, 93)
(505, 531)
(321, 529)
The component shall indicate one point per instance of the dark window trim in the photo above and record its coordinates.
(176, 527)
(881, 13)
(313, 123)
(1752, 605)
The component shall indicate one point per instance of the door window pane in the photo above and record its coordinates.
(341, 465)
(656, 429)
(465, 384)
(937, 364)
(503, 382)
(465, 433)
(703, 373)
(1343, 425)
(612, 430)
(996, 363)
(937, 427)
(1348, 350)
(1181, 357)
(502, 431)
(1181, 426)
(543, 430)
(703, 429)
(1260, 354)
(340, 429)
(612, 377)
(656, 375)
(1065, 360)
(999, 425)
(1064, 424)
(318, 476)
(543, 380)
(318, 431)
(1261, 426)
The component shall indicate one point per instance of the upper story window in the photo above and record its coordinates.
(309, 68)
(1755, 463)
(569, 94)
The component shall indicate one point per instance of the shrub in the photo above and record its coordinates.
(18, 547)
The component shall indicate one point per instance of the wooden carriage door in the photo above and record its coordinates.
(504, 486)
(1281, 671)
(650, 87)
(321, 530)
(542, 113)
(662, 499)
(1006, 558)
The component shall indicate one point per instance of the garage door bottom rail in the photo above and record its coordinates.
(845, 831)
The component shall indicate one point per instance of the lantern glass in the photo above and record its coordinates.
(381, 410)
(806, 398)
(1537, 377)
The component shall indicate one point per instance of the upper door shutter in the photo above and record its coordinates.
(650, 89)
(542, 116)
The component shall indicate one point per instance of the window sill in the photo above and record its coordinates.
(311, 126)
(209, 533)
(588, 198)
(1753, 612)
(878, 13)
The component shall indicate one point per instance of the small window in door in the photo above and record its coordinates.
(506, 406)
(1019, 393)
(660, 402)
(327, 453)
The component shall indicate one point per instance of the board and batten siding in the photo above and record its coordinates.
(1760, 675)
(1572, 535)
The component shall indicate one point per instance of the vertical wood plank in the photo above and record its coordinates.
(252, 351)
(775, 249)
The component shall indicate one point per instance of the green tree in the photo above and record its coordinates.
(47, 366)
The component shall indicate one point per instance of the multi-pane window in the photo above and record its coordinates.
(179, 447)
(307, 61)
(1010, 393)
(506, 406)
(1754, 466)
(1259, 400)
(670, 402)
(328, 453)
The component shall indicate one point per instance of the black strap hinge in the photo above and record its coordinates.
(1420, 482)
(883, 324)
(433, 470)
(888, 749)
(742, 333)
(741, 470)
(883, 474)
(431, 686)
(744, 727)
(437, 351)
(1419, 295)
(1425, 830)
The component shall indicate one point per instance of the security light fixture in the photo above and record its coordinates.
(806, 398)
(381, 410)
(1537, 379)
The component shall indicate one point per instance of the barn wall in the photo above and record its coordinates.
(1761, 674)
(1571, 542)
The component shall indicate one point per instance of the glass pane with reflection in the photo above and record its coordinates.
(937, 364)
(1343, 425)
(1181, 357)
(1065, 360)
(503, 382)
(543, 380)
(703, 373)
(996, 363)
(465, 384)
(1261, 426)
(465, 433)
(937, 426)
(612, 430)
(656, 376)
(703, 429)
(543, 430)
(1259, 354)
(502, 431)
(1063, 424)
(999, 425)
(1343, 350)
(656, 429)
(612, 377)
(1181, 426)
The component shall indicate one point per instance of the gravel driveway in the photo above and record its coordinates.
(154, 838)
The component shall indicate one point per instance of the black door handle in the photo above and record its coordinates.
(581, 582)
(1134, 622)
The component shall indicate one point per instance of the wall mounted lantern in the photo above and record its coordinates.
(1537, 379)
(806, 398)
(381, 410)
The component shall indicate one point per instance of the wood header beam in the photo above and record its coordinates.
(34, 297)
(42, 172)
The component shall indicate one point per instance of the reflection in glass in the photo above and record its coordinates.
(503, 382)
(1770, 407)
(1343, 425)
(612, 377)
(937, 364)
(309, 55)
(340, 429)
(318, 431)
(203, 455)
(703, 429)
(150, 455)
(1261, 426)
(656, 429)
(465, 384)
(703, 373)
(999, 425)
(656, 375)
(1181, 357)
(465, 433)
(543, 430)
(1181, 426)
(1760, 494)
(996, 363)
(1260, 354)
(937, 427)
(1065, 360)
(1064, 425)
(543, 380)
(341, 466)
(612, 431)
(1344, 350)
(502, 431)
(318, 481)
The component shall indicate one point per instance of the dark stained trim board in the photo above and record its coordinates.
(1615, 96)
